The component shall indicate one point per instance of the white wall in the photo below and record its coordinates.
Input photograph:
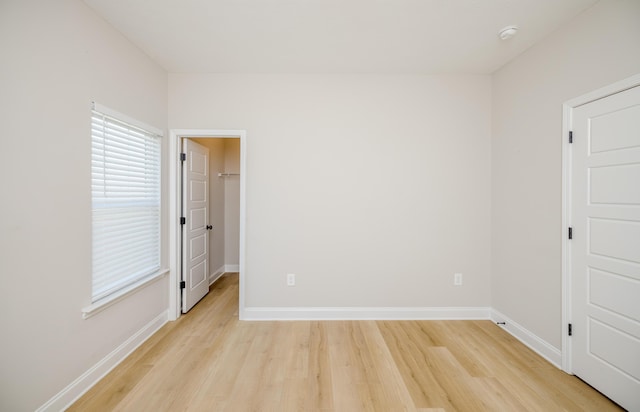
(599, 47)
(56, 58)
(232, 202)
(374, 190)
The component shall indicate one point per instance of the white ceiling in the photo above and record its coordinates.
(334, 36)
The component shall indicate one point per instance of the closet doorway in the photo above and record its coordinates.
(224, 217)
(224, 205)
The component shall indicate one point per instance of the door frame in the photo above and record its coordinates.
(567, 119)
(175, 135)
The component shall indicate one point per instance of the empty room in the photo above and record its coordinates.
(320, 205)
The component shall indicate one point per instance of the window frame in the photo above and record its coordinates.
(100, 302)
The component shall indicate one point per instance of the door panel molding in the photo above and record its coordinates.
(195, 236)
(602, 213)
(567, 112)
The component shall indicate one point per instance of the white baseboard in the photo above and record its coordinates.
(216, 275)
(364, 313)
(82, 384)
(232, 268)
(538, 345)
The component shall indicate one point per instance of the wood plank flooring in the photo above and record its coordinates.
(210, 361)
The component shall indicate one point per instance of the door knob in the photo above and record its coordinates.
(209, 227)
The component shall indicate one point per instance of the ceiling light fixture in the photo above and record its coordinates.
(508, 32)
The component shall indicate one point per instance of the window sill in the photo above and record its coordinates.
(95, 308)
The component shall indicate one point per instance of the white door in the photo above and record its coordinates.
(605, 248)
(195, 230)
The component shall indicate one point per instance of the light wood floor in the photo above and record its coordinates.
(210, 361)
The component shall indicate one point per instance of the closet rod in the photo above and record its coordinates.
(228, 174)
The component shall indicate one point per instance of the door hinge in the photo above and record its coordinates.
(570, 329)
(183, 157)
(182, 284)
(570, 233)
(183, 220)
(571, 137)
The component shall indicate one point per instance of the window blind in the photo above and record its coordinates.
(125, 191)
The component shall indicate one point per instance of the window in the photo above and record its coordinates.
(125, 193)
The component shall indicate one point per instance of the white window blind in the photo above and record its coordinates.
(125, 187)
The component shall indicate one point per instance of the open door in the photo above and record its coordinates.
(605, 246)
(195, 229)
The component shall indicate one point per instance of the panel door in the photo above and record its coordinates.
(605, 250)
(195, 245)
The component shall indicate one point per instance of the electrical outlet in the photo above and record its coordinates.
(457, 279)
(291, 279)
